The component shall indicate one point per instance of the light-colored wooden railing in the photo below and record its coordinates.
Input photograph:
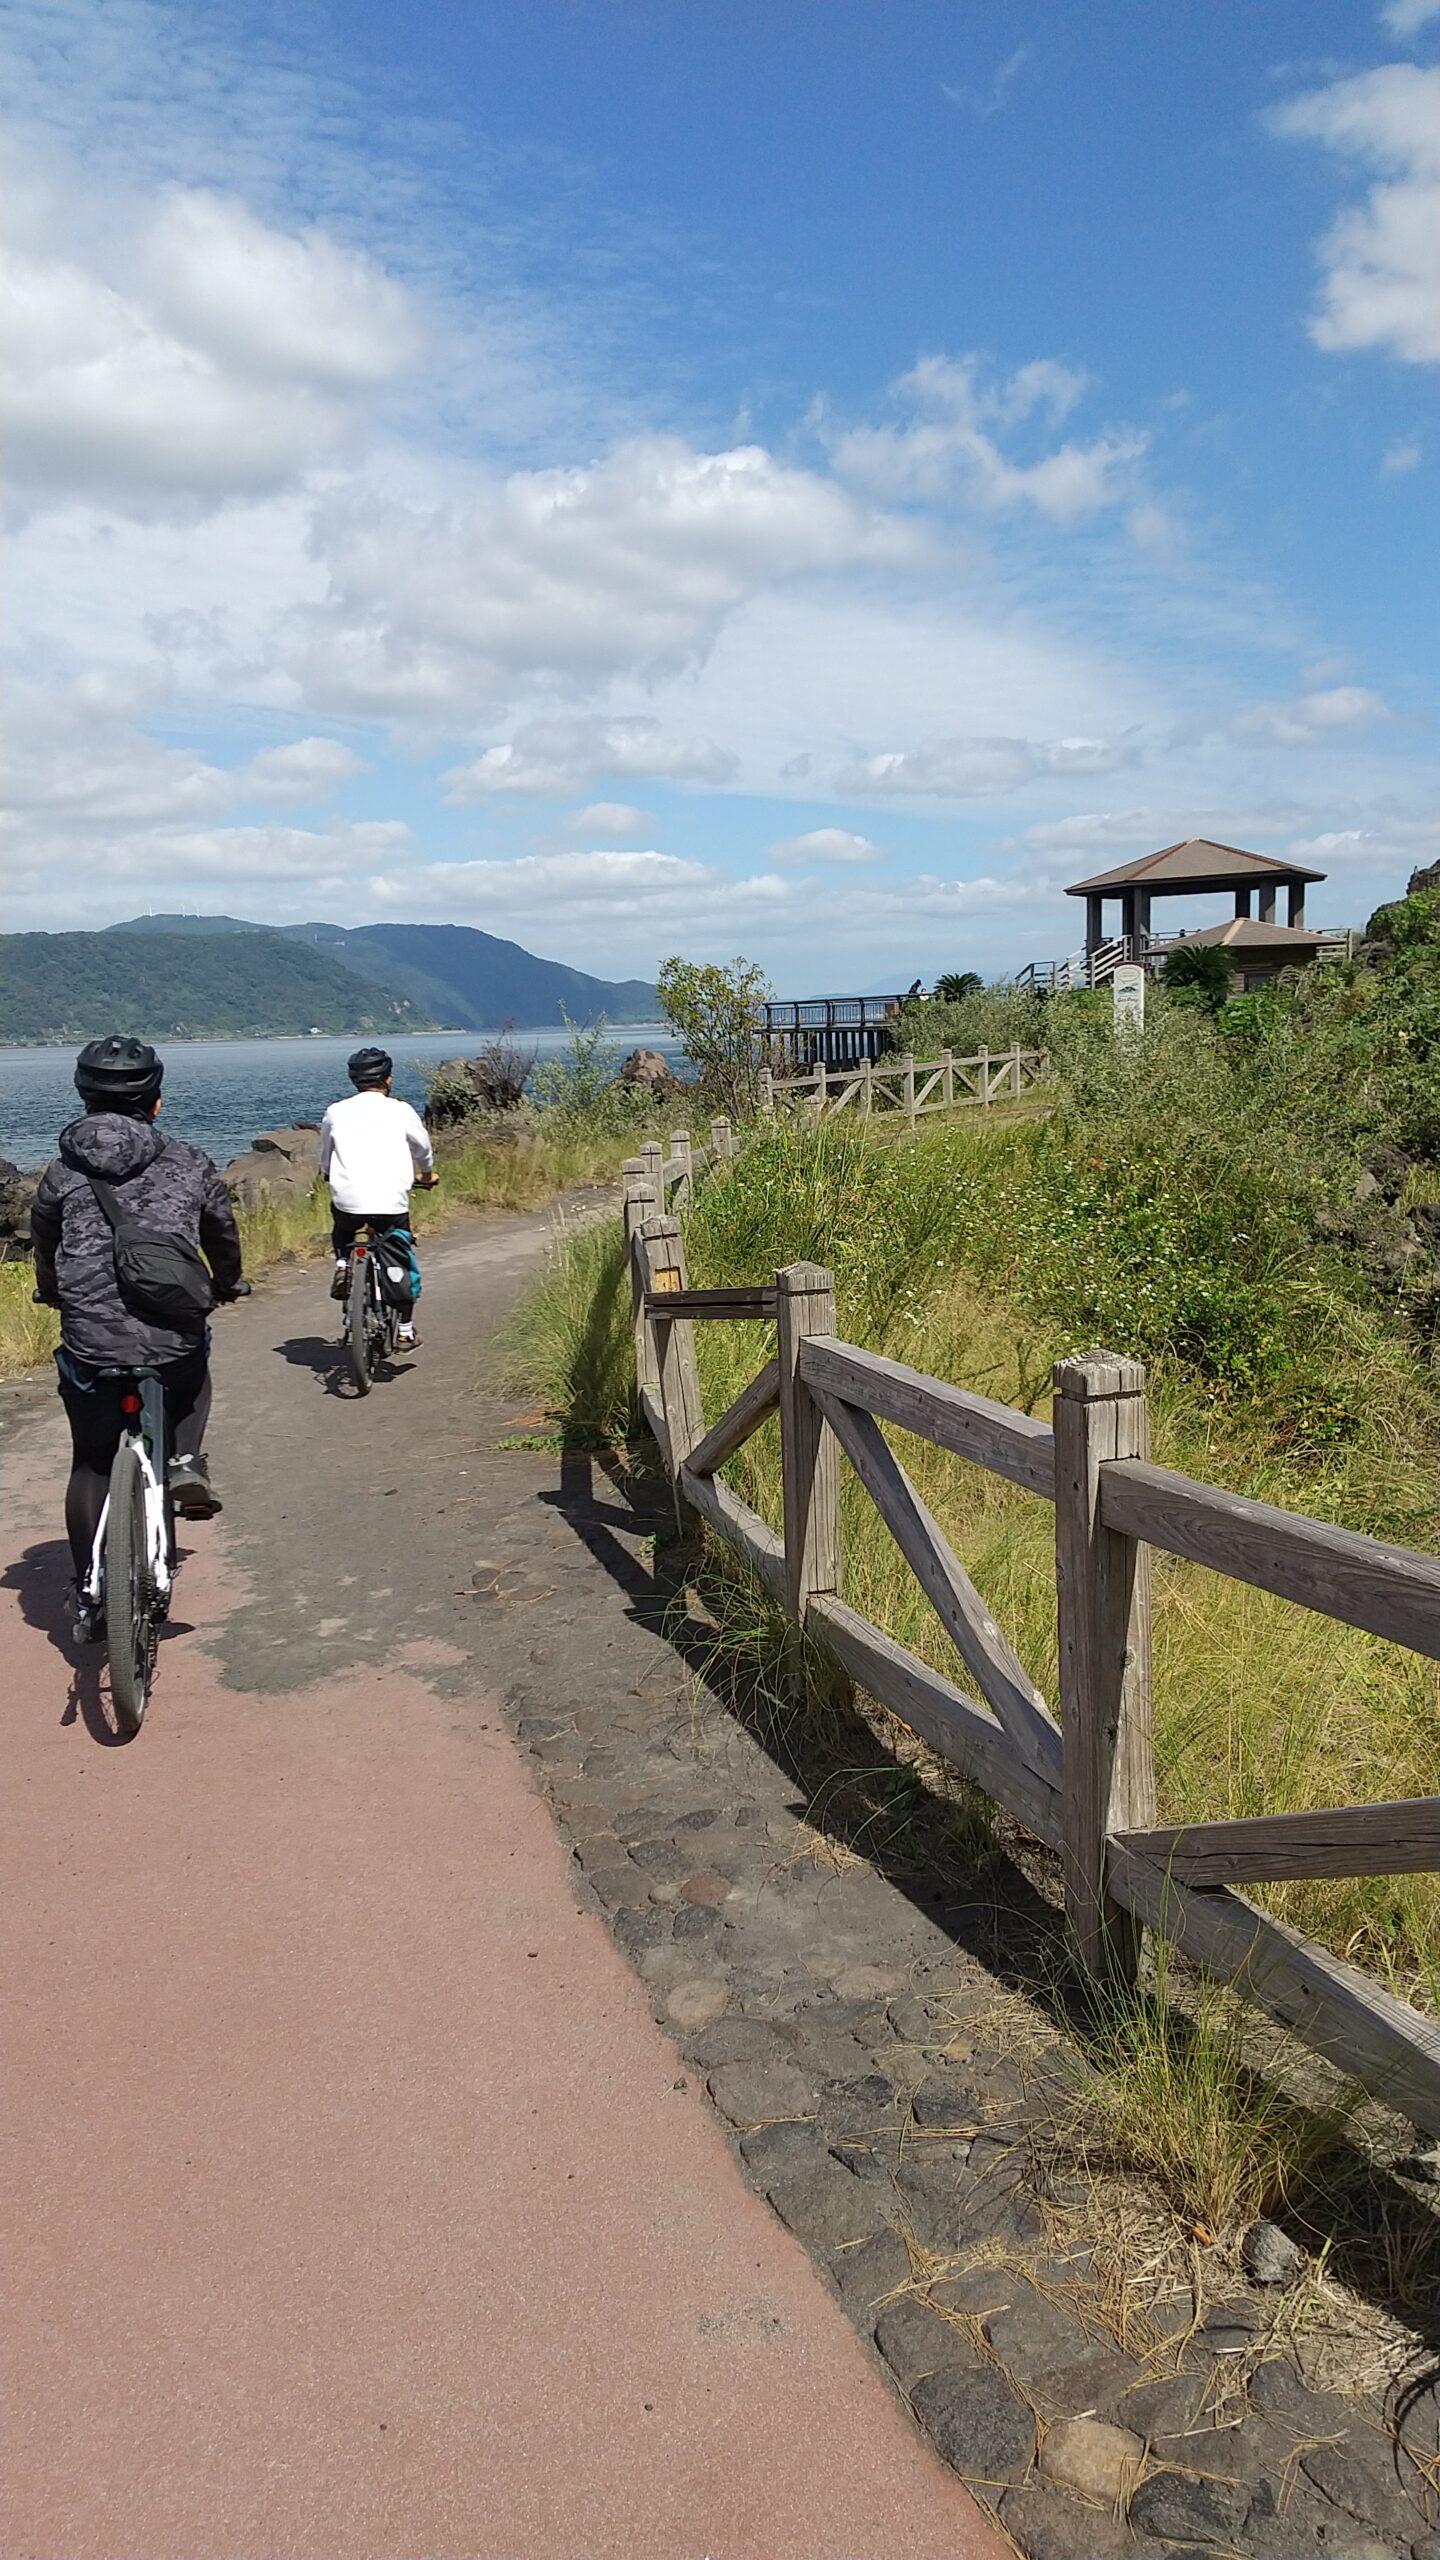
(904, 1084)
(1085, 1785)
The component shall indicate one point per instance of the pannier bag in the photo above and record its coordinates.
(399, 1270)
(161, 1279)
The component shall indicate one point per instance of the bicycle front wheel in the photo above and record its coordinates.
(130, 1613)
(357, 1323)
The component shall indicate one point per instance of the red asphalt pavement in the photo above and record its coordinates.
(358, 2208)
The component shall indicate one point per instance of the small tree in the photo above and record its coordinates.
(717, 1012)
(1203, 970)
(957, 984)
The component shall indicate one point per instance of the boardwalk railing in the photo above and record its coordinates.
(1085, 1785)
(904, 1084)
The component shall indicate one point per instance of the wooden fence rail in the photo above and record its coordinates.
(905, 1085)
(1084, 1784)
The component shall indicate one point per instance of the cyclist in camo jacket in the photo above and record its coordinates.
(169, 1188)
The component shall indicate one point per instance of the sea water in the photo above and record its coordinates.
(221, 1093)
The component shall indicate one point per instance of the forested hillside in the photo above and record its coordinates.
(73, 986)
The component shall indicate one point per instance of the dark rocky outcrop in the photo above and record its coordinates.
(281, 1164)
(17, 1190)
(646, 1071)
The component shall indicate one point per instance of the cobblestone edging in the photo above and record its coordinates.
(848, 2036)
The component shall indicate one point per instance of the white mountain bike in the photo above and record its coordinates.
(132, 1563)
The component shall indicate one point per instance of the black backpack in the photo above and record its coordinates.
(161, 1279)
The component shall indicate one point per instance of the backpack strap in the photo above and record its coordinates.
(110, 1206)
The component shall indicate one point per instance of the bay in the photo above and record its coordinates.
(221, 1093)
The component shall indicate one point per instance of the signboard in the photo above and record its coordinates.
(1129, 986)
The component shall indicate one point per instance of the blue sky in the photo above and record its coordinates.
(806, 481)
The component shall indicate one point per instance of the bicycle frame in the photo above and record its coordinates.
(143, 1405)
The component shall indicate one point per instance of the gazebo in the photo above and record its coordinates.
(1196, 869)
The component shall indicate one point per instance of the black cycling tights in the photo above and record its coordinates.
(95, 1435)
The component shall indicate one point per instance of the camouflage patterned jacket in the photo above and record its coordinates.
(165, 1186)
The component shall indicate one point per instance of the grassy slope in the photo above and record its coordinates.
(974, 1254)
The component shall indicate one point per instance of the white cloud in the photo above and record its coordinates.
(305, 769)
(949, 443)
(630, 565)
(168, 865)
(184, 353)
(1405, 18)
(1406, 454)
(1312, 718)
(970, 768)
(549, 756)
(1380, 260)
(827, 844)
(607, 818)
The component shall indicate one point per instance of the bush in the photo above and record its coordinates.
(717, 1012)
(1201, 969)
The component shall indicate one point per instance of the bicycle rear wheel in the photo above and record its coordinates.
(131, 1621)
(357, 1323)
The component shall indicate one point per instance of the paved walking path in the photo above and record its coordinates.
(361, 2209)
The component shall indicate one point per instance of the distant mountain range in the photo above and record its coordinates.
(180, 977)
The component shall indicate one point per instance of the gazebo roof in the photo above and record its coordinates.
(1195, 864)
(1246, 933)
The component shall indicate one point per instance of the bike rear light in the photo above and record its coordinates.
(130, 1403)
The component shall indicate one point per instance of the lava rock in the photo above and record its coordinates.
(1092, 2459)
(1269, 2255)
(752, 2093)
(974, 2419)
(1176, 2506)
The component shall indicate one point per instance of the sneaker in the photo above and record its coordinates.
(338, 1279)
(406, 1338)
(191, 1491)
(87, 1619)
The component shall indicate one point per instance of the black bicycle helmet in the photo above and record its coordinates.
(117, 1074)
(368, 1068)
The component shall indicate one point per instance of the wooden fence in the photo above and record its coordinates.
(1085, 1785)
(904, 1085)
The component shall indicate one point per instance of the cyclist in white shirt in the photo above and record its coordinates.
(373, 1150)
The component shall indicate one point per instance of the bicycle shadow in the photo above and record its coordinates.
(40, 1579)
(322, 1355)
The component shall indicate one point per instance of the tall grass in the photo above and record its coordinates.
(1260, 1706)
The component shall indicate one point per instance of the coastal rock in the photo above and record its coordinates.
(267, 1174)
(299, 1144)
(17, 1190)
(646, 1069)
(483, 1087)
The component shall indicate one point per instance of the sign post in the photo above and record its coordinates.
(1128, 984)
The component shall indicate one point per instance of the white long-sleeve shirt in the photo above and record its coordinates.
(372, 1146)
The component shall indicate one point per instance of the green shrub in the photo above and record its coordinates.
(1200, 969)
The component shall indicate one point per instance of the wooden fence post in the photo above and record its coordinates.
(985, 1077)
(652, 1156)
(907, 1070)
(1103, 1585)
(674, 1347)
(640, 1206)
(947, 1089)
(867, 1087)
(680, 1155)
(722, 1139)
(765, 1083)
(822, 1088)
(809, 1454)
(1015, 1071)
